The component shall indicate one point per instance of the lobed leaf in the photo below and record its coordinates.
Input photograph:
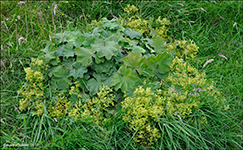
(68, 50)
(124, 81)
(105, 48)
(135, 61)
(133, 34)
(162, 61)
(78, 70)
(49, 51)
(158, 44)
(84, 55)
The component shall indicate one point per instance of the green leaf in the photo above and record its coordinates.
(114, 26)
(67, 36)
(68, 62)
(84, 55)
(116, 37)
(124, 81)
(53, 70)
(59, 50)
(131, 42)
(60, 78)
(54, 61)
(111, 25)
(152, 32)
(159, 44)
(103, 79)
(62, 84)
(133, 34)
(93, 86)
(105, 48)
(148, 42)
(79, 41)
(162, 62)
(124, 71)
(95, 83)
(61, 73)
(106, 33)
(89, 40)
(138, 49)
(102, 67)
(78, 70)
(59, 37)
(134, 61)
(99, 60)
(50, 50)
(70, 36)
(68, 50)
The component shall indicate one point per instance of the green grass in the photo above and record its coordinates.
(216, 27)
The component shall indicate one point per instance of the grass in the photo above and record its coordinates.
(216, 27)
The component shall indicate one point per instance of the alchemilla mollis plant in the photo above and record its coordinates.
(128, 62)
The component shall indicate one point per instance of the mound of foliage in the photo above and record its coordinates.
(126, 65)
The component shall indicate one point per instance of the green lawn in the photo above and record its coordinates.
(216, 28)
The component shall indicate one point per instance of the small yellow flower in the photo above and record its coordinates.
(48, 7)
(62, 14)
(34, 5)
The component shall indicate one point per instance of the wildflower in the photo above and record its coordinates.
(18, 17)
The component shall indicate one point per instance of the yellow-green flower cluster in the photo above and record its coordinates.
(39, 107)
(141, 25)
(184, 48)
(95, 107)
(184, 75)
(60, 107)
(145, 108)
(76, 110)
(130, 8)
(75, 90)
(162, 29)
(147, 135)
(33, 92)
(140, 111)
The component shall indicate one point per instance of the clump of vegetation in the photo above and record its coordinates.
(125, 62)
